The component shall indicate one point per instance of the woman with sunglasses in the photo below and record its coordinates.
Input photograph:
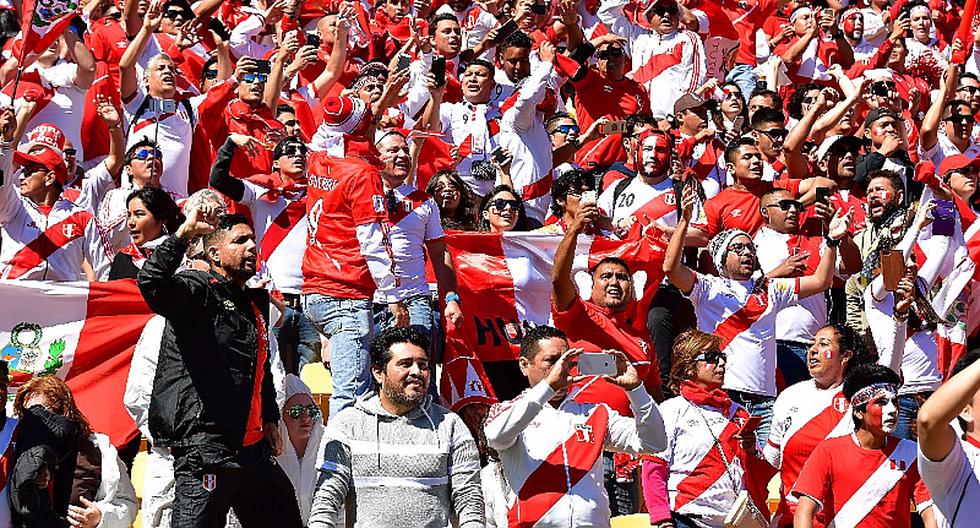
(501, 211)
(455, 200)
(732, 108)
(301, 430)
(711, 454)
(152, 215)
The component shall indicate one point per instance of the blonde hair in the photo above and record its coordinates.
(688, 346)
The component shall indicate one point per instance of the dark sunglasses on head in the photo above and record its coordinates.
(565, 129)
(297, 411)
(786, 204)
(711, 356)
(70, 152)
(502, 203)
(255, 77)
(610, 52)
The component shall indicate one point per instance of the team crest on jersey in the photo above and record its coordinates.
(840, 404)
(209, 481)
(379, 203)
(583, 433)
(670, 198)
(900, 465)
(68, 230)
(23, 353)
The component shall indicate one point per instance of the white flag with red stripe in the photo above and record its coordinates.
(81, 332)
(505, 280)
(42, 24)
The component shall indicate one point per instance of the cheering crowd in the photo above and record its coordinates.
(753, 224)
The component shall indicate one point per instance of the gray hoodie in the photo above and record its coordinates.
(417, 470)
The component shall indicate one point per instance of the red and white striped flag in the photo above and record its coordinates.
(42, 25)
(81, 332)
(505, 281)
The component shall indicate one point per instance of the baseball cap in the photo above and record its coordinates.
(877, 114)
(687, 102)
(848, 142)
(956, 162)
(45, 156)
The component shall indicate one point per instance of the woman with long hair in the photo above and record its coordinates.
(152, 215)
(457, 205)
(502, 210)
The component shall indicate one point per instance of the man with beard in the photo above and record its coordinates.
(547, 428)
(213, 402)
(867, 478)
(969, 91)
(884, 227)
(395, 457)
(889, 151)
(852, 26)
(742, 307)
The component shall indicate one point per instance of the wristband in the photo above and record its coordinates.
(831, 242)
(452, 296)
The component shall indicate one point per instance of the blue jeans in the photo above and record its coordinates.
(908, 411)
(419, 314)
(760, 406)
(298, 341)
(743, 76)
(349, 326)
(791, 361)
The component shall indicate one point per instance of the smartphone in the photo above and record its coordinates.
(761, 85)
(823, 195)
(404, 61)
(539, 9)
(892, 268)
(751, 424)
(499, 155)
(263, 66)
(506, 29)
(219, 29)
(597, 364)
(880, 89)
(612, 127)
(163, 106)
(943, 220)
(589, 197)
(439, 70)
(313, 39)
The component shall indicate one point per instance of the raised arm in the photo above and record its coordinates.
(795, 50)
(823, 277)
(273, 88)
(128, 82)
(563, 287)
(936, 436)
(679, 274)
(335, 64)
(929, 129)
(84, 60)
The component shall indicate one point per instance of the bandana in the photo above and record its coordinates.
(798, 12)
(719, 246)
(873, 391)
(919, 9)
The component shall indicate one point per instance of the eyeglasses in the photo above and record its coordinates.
(255, 78)
(712, 356)
(610, 52)
(565, 129)
(786, 204)
(210, 74)
(738, 248)
(775, 134)
(297, 411)
(147, 154)
(70, 152)
(732, 94)
(499, 204)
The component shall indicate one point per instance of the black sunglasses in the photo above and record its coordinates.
(70, 152)
(174, 14)
(960, 118)
(775, 134)
(501, 203)
(210, 74)
(970, 89)
(610, 52)
(711, 356)
(786, 204)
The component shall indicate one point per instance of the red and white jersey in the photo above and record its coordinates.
(697, 482)
(538, 442)
(745, 318)
(113, 214)
(172, 131)
(668, 66)
(414, 221)
(794, 323)
(707, 159)
(93, 187)
(52, 245)
(641, 200)
(802, 417)
(280, 232)
(919, 360)
(871, 488)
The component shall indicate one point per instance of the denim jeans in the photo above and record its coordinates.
(791, 361)
(760, 406)
(349, 326)
(298, 340)
(908, 412)
(419, 314)
(745, 78)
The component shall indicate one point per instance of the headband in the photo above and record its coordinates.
(871, 392)
(919, 8)
(798, 12)
(849, 12)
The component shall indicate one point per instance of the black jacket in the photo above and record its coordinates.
(202, 390)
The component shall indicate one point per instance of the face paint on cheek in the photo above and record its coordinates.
(828, 354)
(849, 24)
(651, 154)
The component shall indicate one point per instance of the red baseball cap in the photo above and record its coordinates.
(45, 156)
(955, 162)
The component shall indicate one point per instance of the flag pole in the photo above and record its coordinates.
(23, 52)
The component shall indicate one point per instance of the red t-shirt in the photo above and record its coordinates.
(341, 195)
(107, 40)
(595, 329)
(747, 16)
(839, 467)
(739, 208)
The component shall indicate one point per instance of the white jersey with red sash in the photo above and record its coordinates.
(551, 456)
(743, 314)
(871, 488)
(802, 417)
(113, 212)
(280, 223)
(639, 199)
(50, 245)
(414, 219)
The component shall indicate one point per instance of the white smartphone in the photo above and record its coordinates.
(596, 364)
(589, 197)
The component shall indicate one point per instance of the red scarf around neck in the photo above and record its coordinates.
(696, 394)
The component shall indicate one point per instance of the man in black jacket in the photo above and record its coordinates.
(213, 402)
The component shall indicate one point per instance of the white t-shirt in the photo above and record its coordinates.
(174, 137)
(954, 484)
(751, 351)
(67, 104)
(413, 223)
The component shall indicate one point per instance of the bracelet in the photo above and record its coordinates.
(831, 242)
(452, 296)
(901, 318)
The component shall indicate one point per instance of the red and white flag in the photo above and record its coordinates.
(84, 333)
(505, 281)
(463, 379)
(42, 24)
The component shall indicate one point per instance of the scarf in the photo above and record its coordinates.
(885, 241)
(696, 394)
(141, 253)
(277, 187)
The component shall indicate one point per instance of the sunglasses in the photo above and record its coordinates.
(787, 204)
(297, 411)
(669, 9)
(775, 134)
(147, 154)
(712, 356)
(739, 248)
(969, 89)
(175, 14)
(610, 52)
(500, 204)
(732, 94)
(210, 74)
(960, 119)
(565, 129)
(255, 78)
(70, 152)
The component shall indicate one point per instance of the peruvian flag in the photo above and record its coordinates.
(505, 280)
(43, 23)
(82, 332)
(463, 379)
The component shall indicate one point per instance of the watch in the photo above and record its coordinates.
(831, 242)
(453, 296)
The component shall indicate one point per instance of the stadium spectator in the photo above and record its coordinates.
(152, 216)
(301, 429)
(457, 205)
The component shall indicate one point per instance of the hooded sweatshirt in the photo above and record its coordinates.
(302, 471)
(418, 470)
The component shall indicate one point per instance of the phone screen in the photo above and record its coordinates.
(439, 70)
